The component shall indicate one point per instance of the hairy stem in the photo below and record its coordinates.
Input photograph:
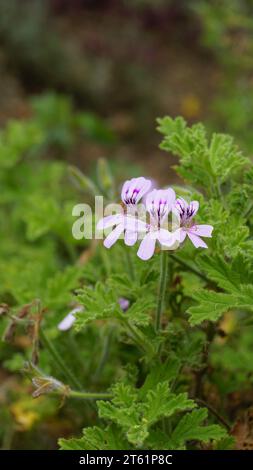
(129, 262)
(89, 395)
(200, 374)
(138, 337)
(60, 364)
(215, 413)
(162, 288)
(104, 355)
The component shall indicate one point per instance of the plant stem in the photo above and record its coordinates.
(129, 263)
(104, 355)
(200, 374)
(106, 262)
(58, 361)
(75, 353)
(162, 288)
(189, 267)
(89, 395)
(139, 338)
(215, 413)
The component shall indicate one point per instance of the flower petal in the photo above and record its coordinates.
(159, 202)
(134, 189)
(147, 247)
(109, 221)
(183, 234)
(202, 230)
(194, 207)
(130, 237)
(113, 236)
(197, 241)
(134, 224)
(165, 237)
(185, 210)
(180, 204)
(68, 321)
(180, 234)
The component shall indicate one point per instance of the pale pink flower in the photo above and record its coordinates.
(70, 318)
(186, 213)
(132, 192)
(159, 203)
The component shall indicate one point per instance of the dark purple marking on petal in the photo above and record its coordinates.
(131, 200)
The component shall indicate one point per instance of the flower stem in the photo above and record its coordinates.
(130, 265)
(89, 395)
(162, 288)
(58, 361)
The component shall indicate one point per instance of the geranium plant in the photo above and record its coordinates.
(142, 329)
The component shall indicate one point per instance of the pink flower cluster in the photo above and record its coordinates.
(159, 203)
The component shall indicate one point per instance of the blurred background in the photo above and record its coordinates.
(128, 62)
(81, 80)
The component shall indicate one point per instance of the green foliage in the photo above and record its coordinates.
(211, 305)
(147, 385)
(102, 302)
(160, 373)
(96, 439)
(136, 419)
(217, 166)
(63, 126)
(135, 415)
(231, 360)
(190, 427)
(204, 162)
(17, 140)
(222, 21)
(234, 278)
(227, 32)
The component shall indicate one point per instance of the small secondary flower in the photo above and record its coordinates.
(124, 304)
(70, 318)
(186, 213)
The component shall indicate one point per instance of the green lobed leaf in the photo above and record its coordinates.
(96, 438)
(211, 305)
(190, 427)
(203, 161)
